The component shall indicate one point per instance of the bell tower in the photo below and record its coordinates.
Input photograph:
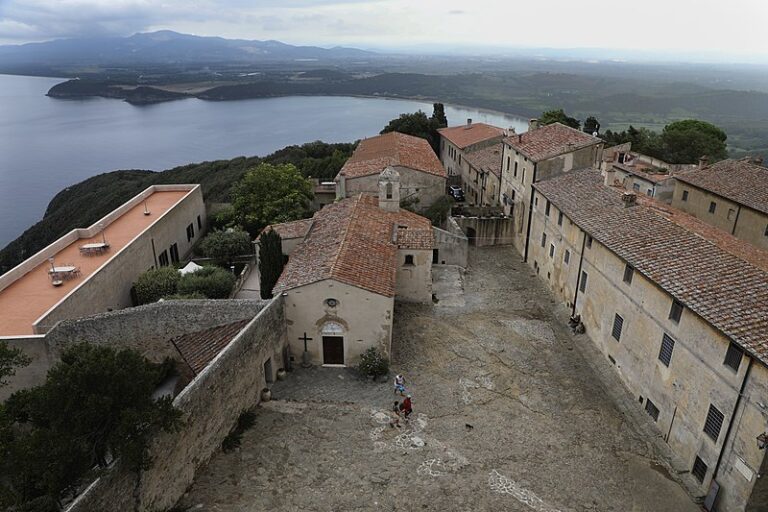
(389, 190)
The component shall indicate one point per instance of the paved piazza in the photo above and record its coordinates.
(511, 412)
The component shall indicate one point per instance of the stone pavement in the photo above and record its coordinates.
(251, 287)
(512, 412)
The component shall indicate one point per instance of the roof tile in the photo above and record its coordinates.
(467, 135)
(375, 154)
(549, 141)
(738, 180)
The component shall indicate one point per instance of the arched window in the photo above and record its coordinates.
(332, 329)
(389, 191)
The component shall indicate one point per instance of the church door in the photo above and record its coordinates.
(333, 350)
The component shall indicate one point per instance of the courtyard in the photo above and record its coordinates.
(511, 412)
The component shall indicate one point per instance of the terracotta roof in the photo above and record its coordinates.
(392, 149)
(720, 278)
(486, 159)
(549, 141)
(201, 347)
(642, 171)
(738, 180)
(467, 135)
(293, 229)
(355, 242)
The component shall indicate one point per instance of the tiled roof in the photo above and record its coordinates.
(738, 180)
(720, 278)
(373, 155)
(549, 141)
(466, 135)
(486, 159)
(200, 348)
(643, 172)
(355, 242)
(293, 229)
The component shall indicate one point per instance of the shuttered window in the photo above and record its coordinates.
(667, 346)
(699, 469)
(733, 356)
(652, 410)
(618, 323)
(714, 423)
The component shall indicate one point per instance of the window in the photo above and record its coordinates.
(543, 239)
(766, 230)
(628, 273)
(552, 251)
(523, 178)
(547, 208)
(652, 410)
(676, 311)
(174, 250)
(389, 191)
(508, 160)
(618, 323)
(685, 195)
(699, 469)
(712, 207)
(409, 259)
(714, 422)
(560, 219)
(190, 232)
(589, 242)
(731, 213)
(567, 256)
(583, 282)
(733, 356)
(199, 222)
(515, 169)
(636, 187)
(667, 346)
(163, 259)
(649, 192)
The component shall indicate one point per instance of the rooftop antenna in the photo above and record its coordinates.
(146, 209)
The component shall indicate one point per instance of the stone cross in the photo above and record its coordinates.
(305, 356)
(305, 340)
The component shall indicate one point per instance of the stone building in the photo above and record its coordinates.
(341, 281)
(730, 195)
(540, 154)
(457, 141)
(422, 177)
(91, 270)
(483, 176)
(680, 310)
(640, 173)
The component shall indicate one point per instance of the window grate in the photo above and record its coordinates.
(667, 346)
(618, 323)
(652, 410)
(714, 422)
(733, 356)
(699, 469)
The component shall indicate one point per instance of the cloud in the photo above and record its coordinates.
(456, 12)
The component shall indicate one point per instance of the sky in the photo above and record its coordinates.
(687, 27)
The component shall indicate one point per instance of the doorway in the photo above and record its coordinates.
(333, 350)
(471, 236)
(268, 371)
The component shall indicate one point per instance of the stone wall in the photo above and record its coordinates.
(451, 244)
(483, 231)
(146, 329)
(210, 404)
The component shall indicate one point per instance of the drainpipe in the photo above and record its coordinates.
(733, 418)
(738, 211)
(530, 216)
(578, 274)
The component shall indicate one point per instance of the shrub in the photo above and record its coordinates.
(373, 363)
(438, 212)
(224, 246)
(185, 296)
(155, 284)
(212, 282)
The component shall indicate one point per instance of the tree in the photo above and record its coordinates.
(270, 194)
(156, 283)
(686, 141)
(270, 261)
(419, 125)
(225, 245)
(96, 403)
(10, 359)
(591, 125)
(211, 282)
(439, 211)
(559, 116)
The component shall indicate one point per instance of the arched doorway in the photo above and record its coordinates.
(471, 236)
(333, 343)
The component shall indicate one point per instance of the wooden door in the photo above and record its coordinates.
(333, 350)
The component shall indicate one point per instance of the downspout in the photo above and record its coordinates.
(733, 418)
(738, 211)
(578, 274)
(530, 216)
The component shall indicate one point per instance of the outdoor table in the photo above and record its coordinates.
(94, 248)
(65, 272)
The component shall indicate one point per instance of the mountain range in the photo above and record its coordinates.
(166, 47)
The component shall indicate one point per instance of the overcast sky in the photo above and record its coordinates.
(685, 26)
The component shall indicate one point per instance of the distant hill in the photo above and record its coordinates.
(165, 47)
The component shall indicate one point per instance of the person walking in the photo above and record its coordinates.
(406, 407)
(395, 422)
(400, 384)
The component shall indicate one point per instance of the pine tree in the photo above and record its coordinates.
(270, 261)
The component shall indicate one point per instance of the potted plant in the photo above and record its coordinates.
(266, 395)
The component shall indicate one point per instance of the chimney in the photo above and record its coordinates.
(469, 122)
(533, 124)
(703, 161)
(610, 176)
(519, 138)
(629, 199)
